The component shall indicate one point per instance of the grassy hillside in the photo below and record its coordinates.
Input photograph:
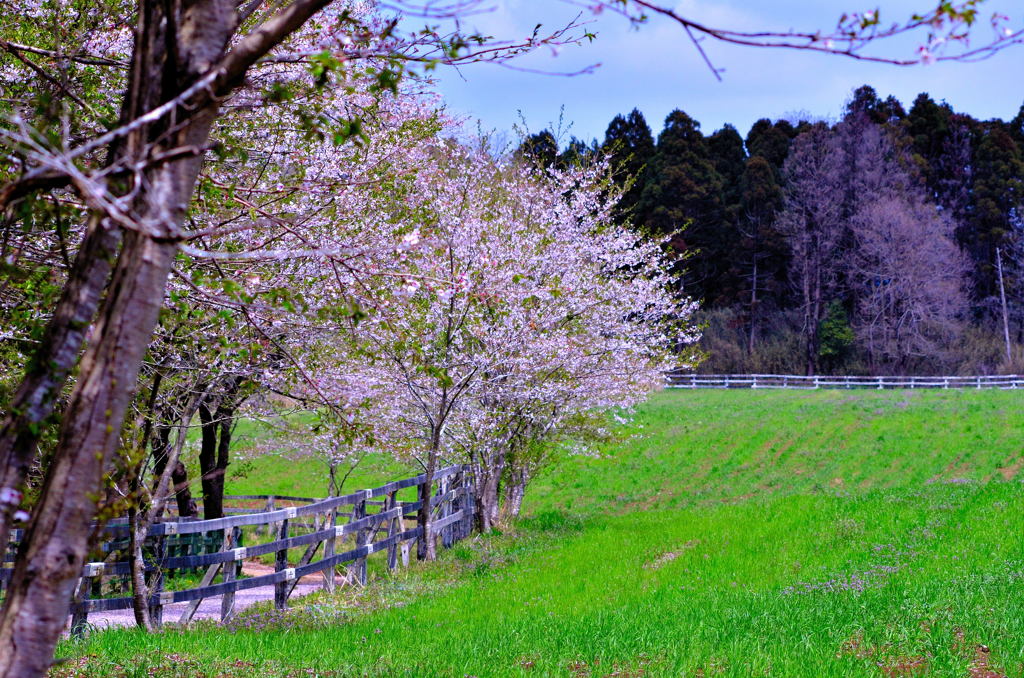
(732, 533)
(689, 448)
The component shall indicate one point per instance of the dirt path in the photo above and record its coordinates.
(209, 608)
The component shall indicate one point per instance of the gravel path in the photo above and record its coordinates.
(209, 608)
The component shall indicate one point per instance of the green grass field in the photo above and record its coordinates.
(830, 533)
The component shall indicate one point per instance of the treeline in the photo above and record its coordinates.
(873, 244)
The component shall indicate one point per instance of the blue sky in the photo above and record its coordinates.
(656, 69)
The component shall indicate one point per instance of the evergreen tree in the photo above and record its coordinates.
(865, 100)
(631, 145)
(682, 199)
(576, 153)
(730, 160)
(540, 148)
(771, 142)
(928, 127)
(997, 189)
(762, 252)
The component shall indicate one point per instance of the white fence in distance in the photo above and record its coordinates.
(798, 382)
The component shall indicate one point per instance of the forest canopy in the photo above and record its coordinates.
(873, 244)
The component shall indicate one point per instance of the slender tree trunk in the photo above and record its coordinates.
(427, 549)
(332, 478)
(515, 491)
(810, 321)
(139, 526)
(162, 453)
(489, 490)
(46, 375)
(1002, 298)
(150, 507)
(212, 502)
(753, 308)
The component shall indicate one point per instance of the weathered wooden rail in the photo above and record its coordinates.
(371, 520)
(681, 379)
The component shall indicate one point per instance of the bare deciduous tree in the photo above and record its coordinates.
(910, 275)
(812, 222)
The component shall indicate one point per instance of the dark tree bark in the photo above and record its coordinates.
(213, 457)
(217, 419)
(179, 475)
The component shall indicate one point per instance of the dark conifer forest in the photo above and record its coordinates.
(890, 241)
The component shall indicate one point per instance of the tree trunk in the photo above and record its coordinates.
(488, 491)
(139, 526)
(214, 454)
(515, 490)
(426, 548)
(51, 556)
(753, 307)
(46, 375)
(810, 323)
(182, 494)
(213, 500)
(150, 507)
(162, 453)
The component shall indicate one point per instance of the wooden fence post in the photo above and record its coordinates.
(79, 602)
(281, 565)
(363, 537)
(443, 509)
(267, 509)
(329, 549)
(423, 492)
(227, 602)
(394, 527)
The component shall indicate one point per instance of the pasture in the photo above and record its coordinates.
(738, 533)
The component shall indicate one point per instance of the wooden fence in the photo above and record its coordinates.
(215, 547)
(792, 381)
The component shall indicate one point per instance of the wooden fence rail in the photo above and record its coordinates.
(216, 545)
(679, 379)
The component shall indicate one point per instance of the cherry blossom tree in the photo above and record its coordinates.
(520, 309)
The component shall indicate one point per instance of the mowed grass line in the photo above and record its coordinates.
(901, 569)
